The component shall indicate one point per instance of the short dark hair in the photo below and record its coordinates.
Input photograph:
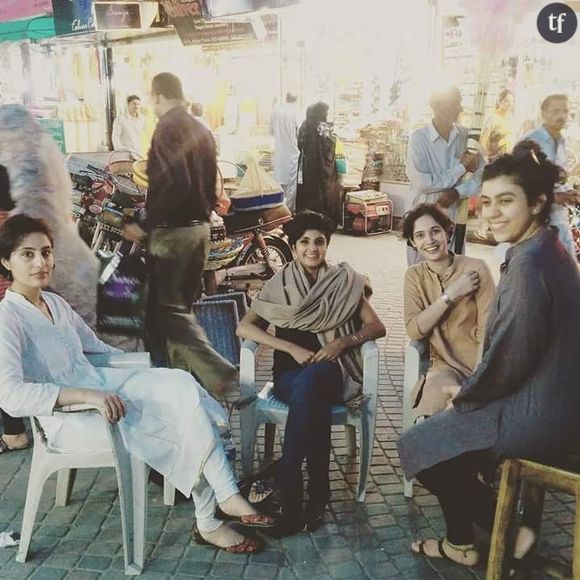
(14, 230)
(555, 97)
(529, 167)
(291, 97)
(196, 109)
(308, 220)
(132, 98)
(168, 85)
(425, 209)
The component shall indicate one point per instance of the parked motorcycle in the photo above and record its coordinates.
(258, 250)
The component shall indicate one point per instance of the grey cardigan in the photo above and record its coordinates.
(523, 400)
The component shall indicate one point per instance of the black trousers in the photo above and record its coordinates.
(12, 425)
(310, 393)
(464, 499)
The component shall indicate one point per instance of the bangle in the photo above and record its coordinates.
(446, 299)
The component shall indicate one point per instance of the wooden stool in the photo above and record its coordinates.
(538, 478)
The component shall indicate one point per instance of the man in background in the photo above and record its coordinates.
(197, 113)
(439, 167)
(129, 128)
(284, 124)
(181, 169)
(555, 111)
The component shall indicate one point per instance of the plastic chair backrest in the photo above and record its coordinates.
(219, 319)
(240, 298)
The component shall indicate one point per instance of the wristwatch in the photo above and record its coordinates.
(446, 299)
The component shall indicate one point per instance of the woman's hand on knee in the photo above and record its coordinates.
(302, 356)
(329, 352)
(113, 407)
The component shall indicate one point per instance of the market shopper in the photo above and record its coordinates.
(165, 418)
(498, 131)
(439, 167)
(181, 168)
(555, 112)
(284, 124)
(129, 128)
(318, 185)
(321, 316)
(523, 398)
(446, 301)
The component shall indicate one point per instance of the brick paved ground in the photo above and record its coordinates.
(83, 540)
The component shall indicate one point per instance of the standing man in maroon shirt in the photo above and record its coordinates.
(181, 167)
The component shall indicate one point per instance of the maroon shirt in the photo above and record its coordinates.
(181, 169)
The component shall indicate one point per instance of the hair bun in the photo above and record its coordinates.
(531, 148)
(528, 149)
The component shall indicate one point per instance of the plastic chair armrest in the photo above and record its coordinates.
(120, 359)
(248, 368)
(77, 408)
(370, 355)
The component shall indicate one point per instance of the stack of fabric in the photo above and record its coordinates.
(355, 152)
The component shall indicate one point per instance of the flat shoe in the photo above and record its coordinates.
(442, 554)
(522, 567)
(5, 449)
(246, 546)
(250, 521)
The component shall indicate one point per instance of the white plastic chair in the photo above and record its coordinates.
(131, 474)
(267, 409)
(416, 363)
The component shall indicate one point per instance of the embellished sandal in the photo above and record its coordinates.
(247, 546)
(443, 555)
(5, 449)
(250, 521)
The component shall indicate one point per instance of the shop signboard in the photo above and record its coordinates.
(117, 15)
(198, 31)
(73, 16)
(21, 9)
(55, 128)
(187, 18)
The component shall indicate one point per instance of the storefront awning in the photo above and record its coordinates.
(31, 28)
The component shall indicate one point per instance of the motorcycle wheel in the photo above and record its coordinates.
(279, 253)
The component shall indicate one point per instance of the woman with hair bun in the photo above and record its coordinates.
(523, 398)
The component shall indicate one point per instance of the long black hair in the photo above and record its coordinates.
(14, 230)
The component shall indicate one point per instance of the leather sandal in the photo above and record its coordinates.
(442, 555)
(247, 546)
(250, 520)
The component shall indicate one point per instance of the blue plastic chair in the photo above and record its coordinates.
(267, 409)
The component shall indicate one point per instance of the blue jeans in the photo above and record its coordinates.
(310, 393)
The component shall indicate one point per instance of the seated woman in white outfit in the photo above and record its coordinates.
(165, 417)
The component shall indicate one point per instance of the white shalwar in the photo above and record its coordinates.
(170, 418)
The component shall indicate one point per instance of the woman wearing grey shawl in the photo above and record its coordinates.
(321, 316)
